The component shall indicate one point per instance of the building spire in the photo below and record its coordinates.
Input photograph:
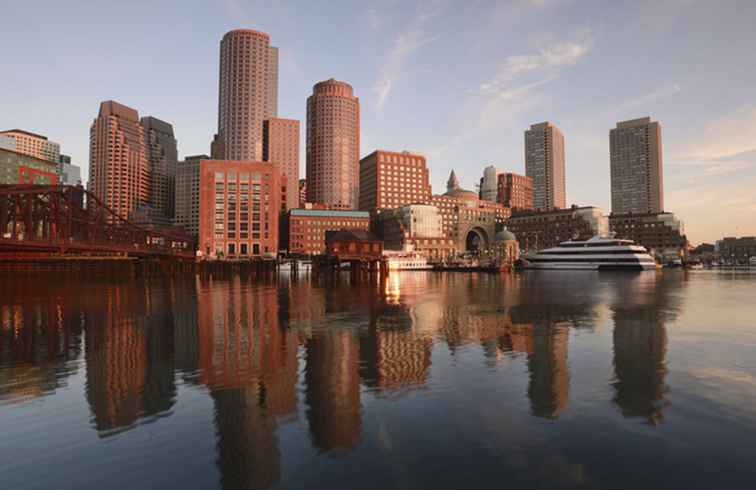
(453, 183)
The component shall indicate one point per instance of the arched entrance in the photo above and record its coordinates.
(476, 240)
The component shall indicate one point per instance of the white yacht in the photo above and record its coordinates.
(598, 253)
(407, 261)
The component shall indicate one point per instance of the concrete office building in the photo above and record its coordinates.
(536, 229)
(118, 159)
(635, 150)
(333, 145)
(162, 157)
(489, 183)
(239, 208)
(247, 95)
(514, 191)
(416, 227)
(281, 147)
(31, 144)
(302, 192)
(68, 174)
(392, 179)
(187, 195)
(544, 163)
(661, 233)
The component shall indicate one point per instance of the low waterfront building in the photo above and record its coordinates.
(304, 230)
(736, 250)
(239, 208)
(515, 191)
(20, 168)
(536, 230)
(661, 233)
(392, 179)
(413, 228)
(467, 220)
(356, 244)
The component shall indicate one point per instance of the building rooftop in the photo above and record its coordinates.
(331, 213)
(21, 131)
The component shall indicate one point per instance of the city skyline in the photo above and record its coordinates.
(396, 59)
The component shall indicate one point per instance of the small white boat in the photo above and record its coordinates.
(598, 253)
(407, 261)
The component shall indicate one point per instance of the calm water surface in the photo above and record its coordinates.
(539, 380)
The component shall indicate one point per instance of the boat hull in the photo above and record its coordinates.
(589, 266)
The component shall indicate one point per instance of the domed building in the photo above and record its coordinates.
(467, 220)
(506, 248)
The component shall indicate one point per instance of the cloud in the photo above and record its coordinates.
(550, 58)
(406, 44)
(666, 90)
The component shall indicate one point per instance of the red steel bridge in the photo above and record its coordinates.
(38, 221)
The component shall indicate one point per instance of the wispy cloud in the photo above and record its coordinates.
(666, 90)
(547, 59)
(405, 45)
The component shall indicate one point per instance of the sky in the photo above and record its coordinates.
(459, 81)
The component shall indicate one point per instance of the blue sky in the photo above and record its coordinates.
(456, 80)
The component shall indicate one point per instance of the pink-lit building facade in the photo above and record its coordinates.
(281, 148)
(333, 145)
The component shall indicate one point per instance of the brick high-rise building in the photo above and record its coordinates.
(390, 180)
(281, 147)
(635, 150)
(333, 145)
(515, 191)
(239, 207)
(544, 163)
(118, 159)
(163, 156)
(30, 144)
(248, 94)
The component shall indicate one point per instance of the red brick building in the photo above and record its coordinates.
(239, 207)
(390, 180)
(305, 229)
(515, 191)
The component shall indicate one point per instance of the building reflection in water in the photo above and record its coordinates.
(40, 340)
(640, 347)
(243, 341)
(129, 355)
(249, 363)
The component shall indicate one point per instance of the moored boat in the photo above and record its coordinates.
(598, 253)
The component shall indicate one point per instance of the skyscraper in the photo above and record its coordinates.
(635, 151)
(544, 163)
(281, 147)
(247, 95)
(118, 162)
(333, 145)
(162, 157)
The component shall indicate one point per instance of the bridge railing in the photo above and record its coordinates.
(69, 219)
